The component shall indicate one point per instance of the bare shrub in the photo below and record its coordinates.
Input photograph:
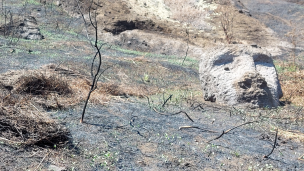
(226, 17)
(96, 72)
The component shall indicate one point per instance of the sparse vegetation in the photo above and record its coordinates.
(146, 110)
(226, 15)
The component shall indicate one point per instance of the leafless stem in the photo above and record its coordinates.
(226, 23)
(174, 114)
(187, 32)
(225, 132)
(96, 75)
(42, 160)
(169, 98)
(274, 144)
(85, 23)
(196, 127)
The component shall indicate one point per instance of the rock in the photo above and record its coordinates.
(58, 3)
(245, 11)
(28, 29)
(239, 75)
(56, 168)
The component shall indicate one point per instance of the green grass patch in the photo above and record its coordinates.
(189, 61)
(178, 97)
(33, 2)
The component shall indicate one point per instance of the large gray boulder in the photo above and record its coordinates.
(239, 75)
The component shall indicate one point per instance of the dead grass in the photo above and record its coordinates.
(39, 84)
(26, 95)
(292, 82)
(23, 122)
(293, 135)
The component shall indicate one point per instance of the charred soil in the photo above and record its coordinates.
(147, 112)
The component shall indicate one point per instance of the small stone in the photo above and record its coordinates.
(56, 168)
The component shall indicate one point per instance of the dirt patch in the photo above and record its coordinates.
(119, 16)
(192, 25)
(148, 148)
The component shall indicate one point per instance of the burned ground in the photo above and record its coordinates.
(131, 123)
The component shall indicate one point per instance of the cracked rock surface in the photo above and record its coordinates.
(240, 75)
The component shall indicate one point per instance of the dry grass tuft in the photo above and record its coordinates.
(39, 84)
(292, 83)
(296, 136)
(23, 122)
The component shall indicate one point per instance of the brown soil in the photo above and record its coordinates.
(118, 16)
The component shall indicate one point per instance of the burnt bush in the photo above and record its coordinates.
(22, 120)
(39, 84)
(28, 127)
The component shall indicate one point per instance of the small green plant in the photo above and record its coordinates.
(279, 68)
(237, 154)
(95, 157)
(146, 78)
(107, 155)
(167, 136)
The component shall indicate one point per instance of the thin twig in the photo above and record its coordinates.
(93, 61)
(217, 137)
(169, 98)
(239, 126)
(185, 114)
(85, 23)
(148, 101)
(187, 32)
(42, 160)
(184, 127)
(174, 114)
(301, 157)
(36, 108)
(200, 106)
(274, 144)
(225, 132)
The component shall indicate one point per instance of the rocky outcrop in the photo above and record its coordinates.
(239, 75)
(26, 29)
